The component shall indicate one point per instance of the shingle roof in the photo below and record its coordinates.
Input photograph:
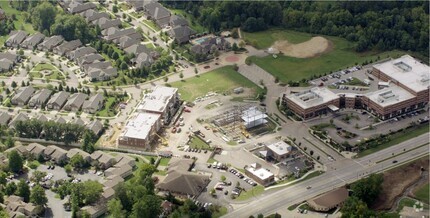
(93, 102)
(76, 100)
(105, 23)
(59, 98)
(33, 40)
(95, 126)
(136, 49)
(176, 20)
(41, 97)
(50, 42)
(330, 199)
(9, 56)
(82, 51)
(4, 118)
(184, 183)
(16, 37)
(156, 10)
(24, 94)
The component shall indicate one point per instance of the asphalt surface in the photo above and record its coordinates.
(345, 171)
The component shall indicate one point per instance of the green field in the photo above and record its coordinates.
(19, 22)
(254, 191)
(422, 193)
(288, 69)
(396, 139)
(191, 20)
(355, 82)
(44, 66)
(197, 143)
(54, 73)
(265, 39)
(221, 80)
(151, 24)
(109, 109)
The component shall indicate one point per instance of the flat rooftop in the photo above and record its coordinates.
(157, 100)
(260, 172)
(389, 96)
(280, 148)
(408, 71)
(313, 97)
(253, 114)
(140, 125)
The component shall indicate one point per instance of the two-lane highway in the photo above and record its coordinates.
(346, 172)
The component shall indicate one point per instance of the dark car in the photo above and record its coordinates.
(394, 161)
(263, 104)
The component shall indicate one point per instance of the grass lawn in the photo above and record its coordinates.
(44, 66)
(219, 212)
(164, 161)
(342, 56)
(199, 144)
(397, 138)
(109, 109)
(2, 40)
(255, 191)
(422, 193)
(408, 202)
(211, 160)
(36, 75)
(19, 22)
(265, 39)
(151, 24)
(221, 80)
(191, 20)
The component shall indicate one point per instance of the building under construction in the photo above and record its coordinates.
(235, 121)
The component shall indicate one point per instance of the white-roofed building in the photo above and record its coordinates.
(311, 103)
(279, 150)
(259, 174)
(140, 130)
(253, 117)
(162, 100)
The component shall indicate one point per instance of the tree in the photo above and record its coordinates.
(23, 190)
(87, 142)
(3, 178)
(223, 178)
(115, 209)
(181, 75)
(115, 9)
(43, 16)
(14, 85)
(38, 176)
(147, 206)
(91, 191)
(354, 206)
(77, 161)
(10, 188)
(38, 196)
(9, 142)
(368, 189)
(15, 161)
(68, 168)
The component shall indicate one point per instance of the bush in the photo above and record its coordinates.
(33, 164)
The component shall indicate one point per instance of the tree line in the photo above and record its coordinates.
(53, 131)
(377, 25)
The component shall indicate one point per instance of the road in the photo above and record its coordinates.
(346, 171)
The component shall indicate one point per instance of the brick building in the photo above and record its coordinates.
(140, 131)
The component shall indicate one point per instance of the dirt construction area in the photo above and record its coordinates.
(397, 180)
(311, 48)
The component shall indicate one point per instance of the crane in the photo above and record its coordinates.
(163, 140)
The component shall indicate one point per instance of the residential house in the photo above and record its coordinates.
(76, 7)
(67, 47)
(17, 118)
(143, 60)
(210, 45)
(137, 49)
(115, 35)
(35, 149)
(92, 15)
(23, 96)
(74, 151)
(112, 181)
(125, 159)
(96, 74)
(16, 207)
(77, 121)
(4, 118)
(60, 120)
(80, 52)
(179, 181)
(42, 118)
(75, 102)
(95, 126)
(329, 200)
(89, 59)
(110, 31)
(50, 43)
(176, 20)
(58, 100)
(56, 154)
(15, 38)
(7, 61)
(105, 23)
(32, 41)
(95, 211)
(138, 4)
(108, 194)
(40, 98)
(103, 160)
(127, 41)
(123, 170)
(181, 34)
(157, 13)
(167, 208)
(93, 104)
(98, 65)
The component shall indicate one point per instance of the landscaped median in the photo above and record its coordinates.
(253, 192)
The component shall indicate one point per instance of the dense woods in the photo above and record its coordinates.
(374, 25)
